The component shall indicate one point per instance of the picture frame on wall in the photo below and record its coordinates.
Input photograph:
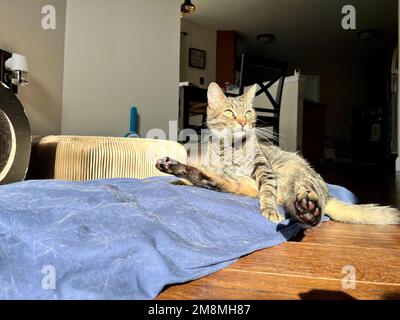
(197, 58)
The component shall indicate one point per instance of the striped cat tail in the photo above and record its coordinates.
(361, 214)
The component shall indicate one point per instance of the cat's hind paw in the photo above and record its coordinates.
(308, 209)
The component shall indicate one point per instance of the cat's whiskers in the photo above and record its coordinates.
(274, 134)
(267, 134)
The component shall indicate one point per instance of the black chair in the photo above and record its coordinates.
(260, 71)
(193, 101)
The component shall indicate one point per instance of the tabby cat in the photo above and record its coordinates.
(255, 169)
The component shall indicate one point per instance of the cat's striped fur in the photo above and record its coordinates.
(238, 163)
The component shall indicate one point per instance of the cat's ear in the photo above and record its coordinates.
(215, 95)
(249, 95)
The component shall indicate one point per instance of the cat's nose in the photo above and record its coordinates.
(242, 121)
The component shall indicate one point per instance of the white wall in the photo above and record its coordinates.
(21, 32)
(117, 54)
(203, 38)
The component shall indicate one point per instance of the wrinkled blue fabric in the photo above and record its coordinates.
(124, 238)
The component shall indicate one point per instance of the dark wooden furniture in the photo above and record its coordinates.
(226, 57)
(192, 101)
(370, 142)
(314, 131)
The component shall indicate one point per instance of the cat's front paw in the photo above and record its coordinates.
(168, 165)
(272, 215)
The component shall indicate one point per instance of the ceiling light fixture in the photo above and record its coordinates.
(367, 34)
(266, 38)
(187, 7)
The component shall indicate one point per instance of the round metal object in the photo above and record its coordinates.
(266, 38)
(15, 138)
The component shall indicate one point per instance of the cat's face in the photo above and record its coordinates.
(234, 116)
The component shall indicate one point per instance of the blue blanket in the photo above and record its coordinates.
(123, 238)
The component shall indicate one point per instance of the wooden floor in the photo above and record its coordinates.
(311, 266)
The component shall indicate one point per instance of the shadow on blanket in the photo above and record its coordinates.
(123, 238)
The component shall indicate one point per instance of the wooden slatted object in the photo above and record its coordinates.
(78, 158)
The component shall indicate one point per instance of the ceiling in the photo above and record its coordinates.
(305, 30)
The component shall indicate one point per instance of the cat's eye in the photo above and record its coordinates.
(229, 114)
(248, 114)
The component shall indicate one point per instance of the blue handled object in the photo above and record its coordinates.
(133, 126)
